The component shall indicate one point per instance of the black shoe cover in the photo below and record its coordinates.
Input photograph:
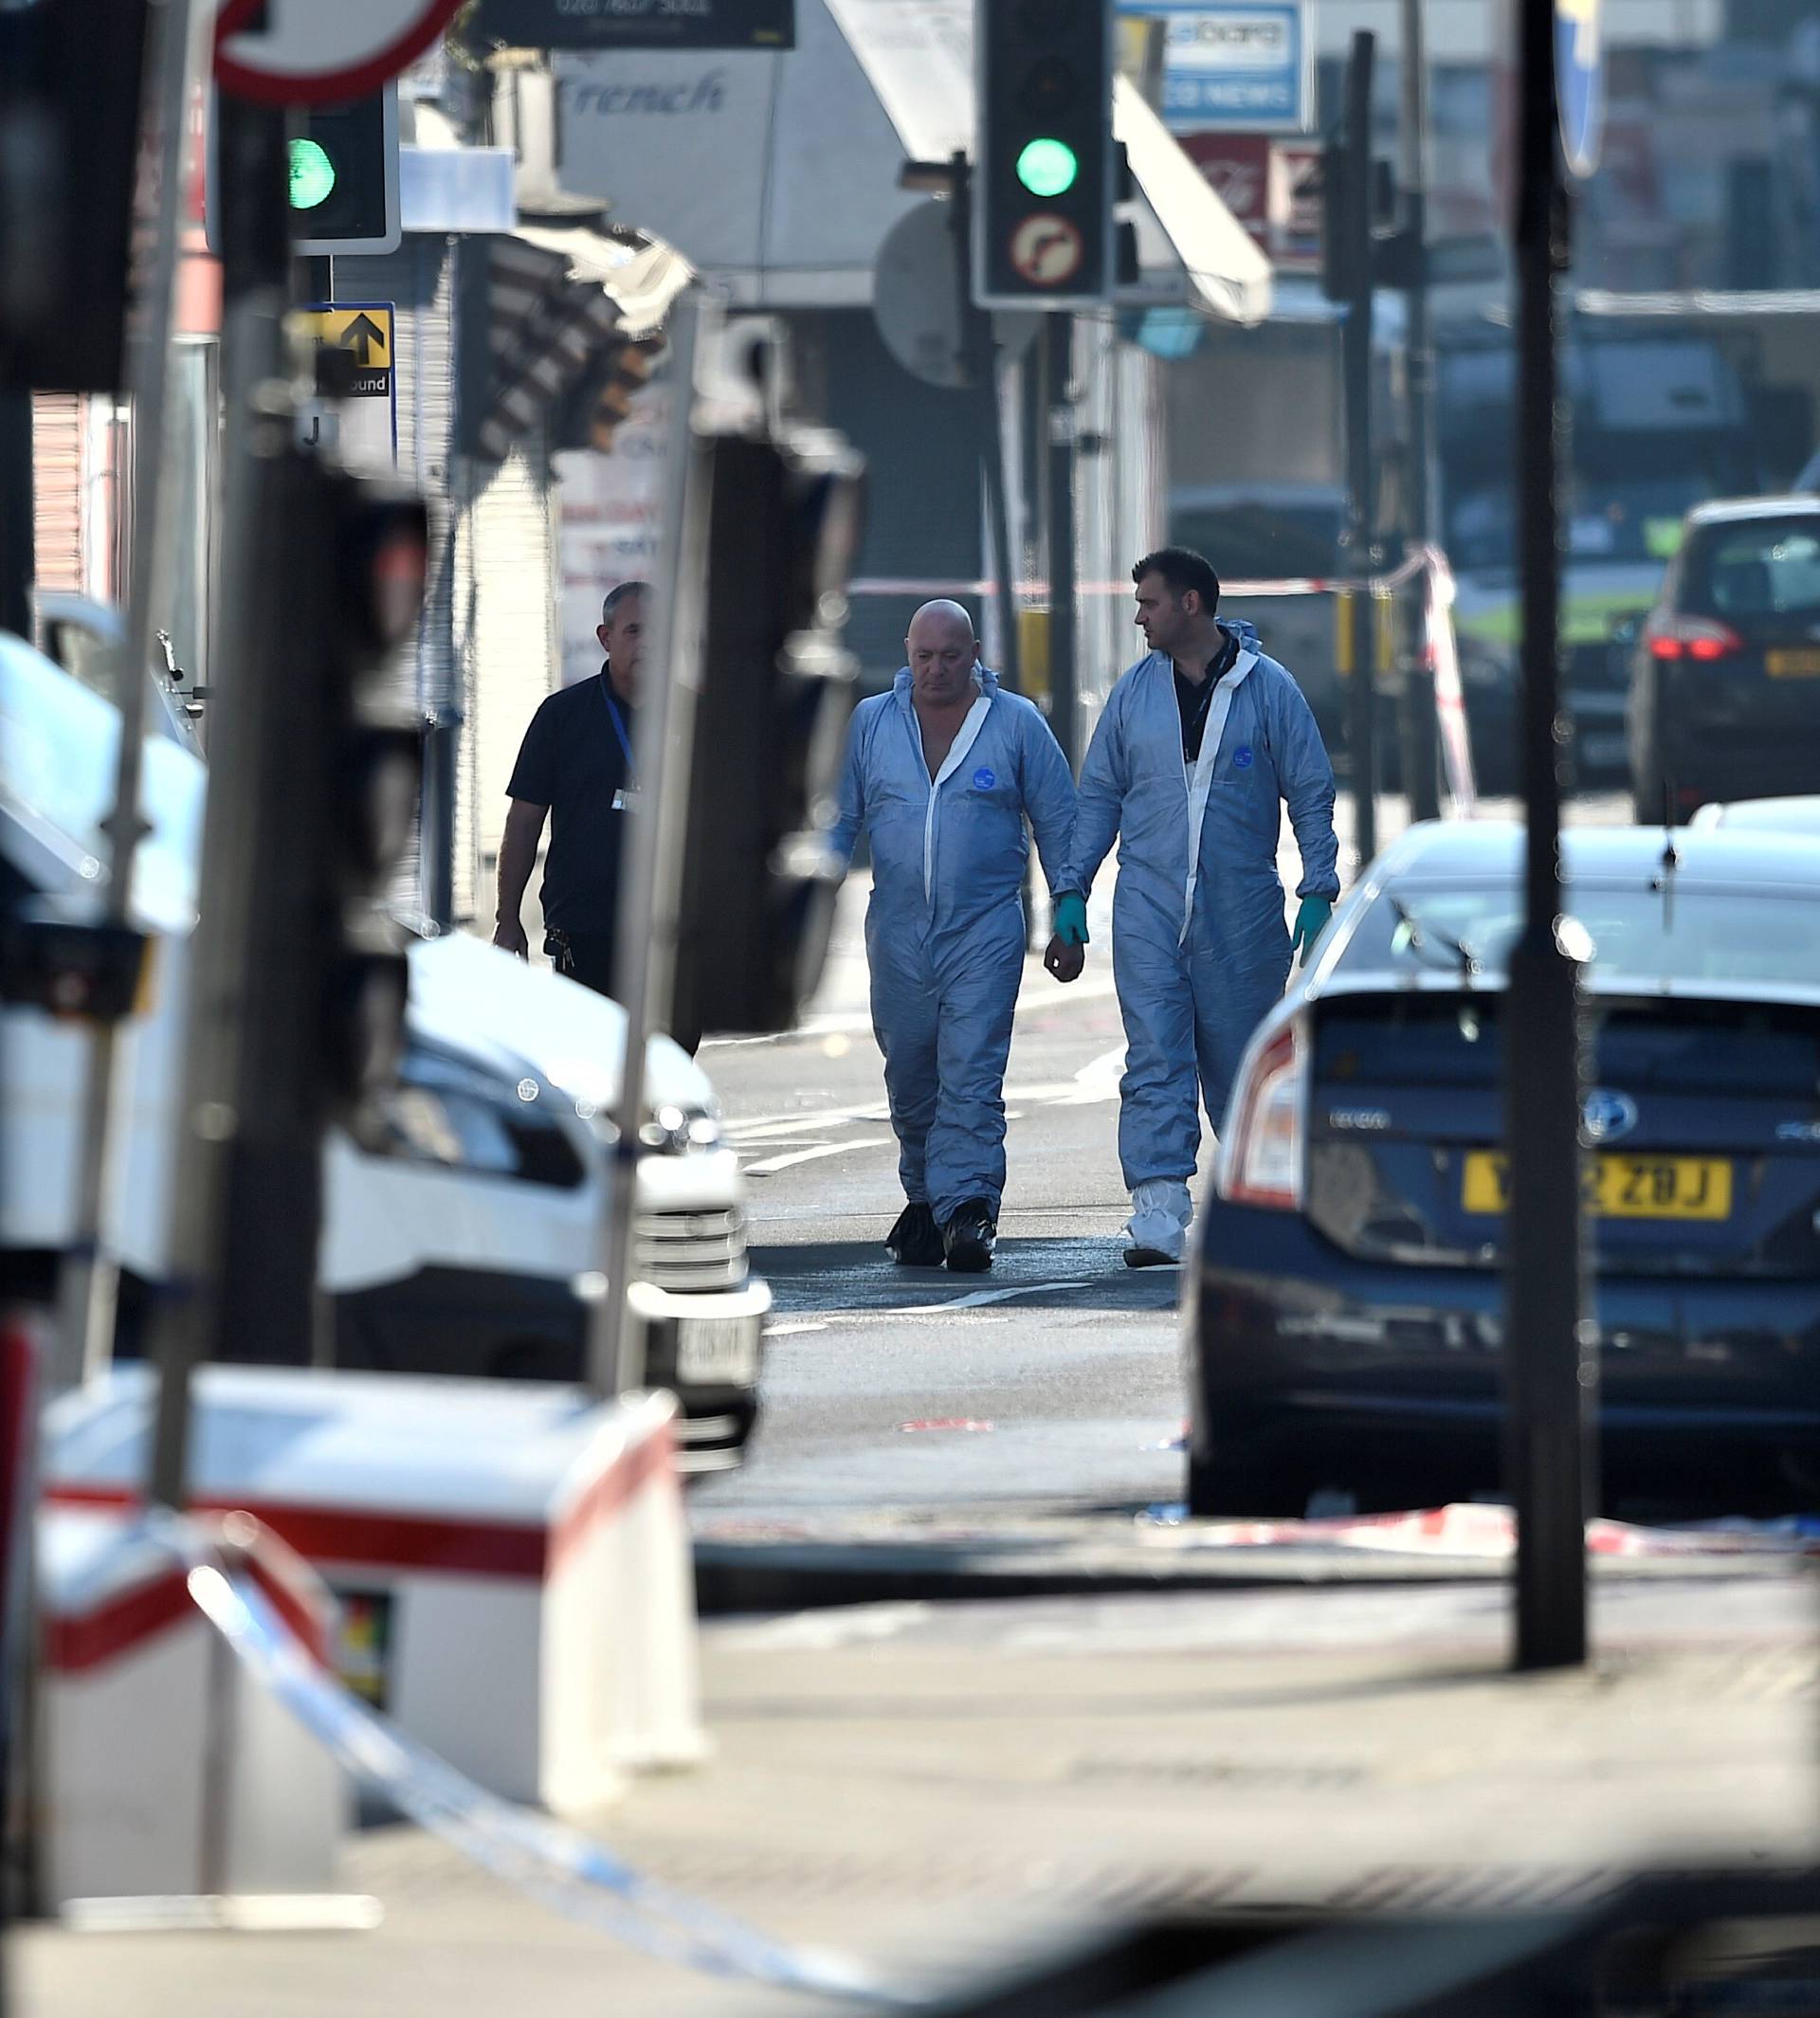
(969, 1237)
(914, 1242)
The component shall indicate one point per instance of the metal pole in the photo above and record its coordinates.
(16, 513)
(1357, 359)
(1419, 728)
(979, 366)
(232, 1126)
(1058, 335)
(651, 878)
(1551, 1356)
(89, 1287)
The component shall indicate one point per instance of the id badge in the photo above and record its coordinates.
(624, 800)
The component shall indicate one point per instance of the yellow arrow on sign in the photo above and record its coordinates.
(366, 332)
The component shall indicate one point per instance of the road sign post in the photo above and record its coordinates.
(1551, 1352)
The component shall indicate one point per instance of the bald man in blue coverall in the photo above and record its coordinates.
(941, 772)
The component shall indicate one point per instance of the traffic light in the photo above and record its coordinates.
(344, 177)
(602, 402)
(370, 782)
(1043, 177)
(1343, 249)
(70, 73)
(770, 733)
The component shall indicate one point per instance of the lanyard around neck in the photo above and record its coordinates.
(619, 726)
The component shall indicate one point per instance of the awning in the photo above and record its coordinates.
(776, 172)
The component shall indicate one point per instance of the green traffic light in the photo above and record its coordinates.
(312, 174)
(1046, 168)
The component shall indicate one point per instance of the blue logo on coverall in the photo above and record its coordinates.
(1241, 757)
(985, 779)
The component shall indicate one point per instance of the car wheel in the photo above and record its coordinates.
(1267, 1488)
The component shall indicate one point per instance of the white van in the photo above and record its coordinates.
(456, 1246)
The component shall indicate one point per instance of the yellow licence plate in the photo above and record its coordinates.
(1794, 664)
(1617, 1187)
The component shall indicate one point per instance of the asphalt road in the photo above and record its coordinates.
(1051, 1383)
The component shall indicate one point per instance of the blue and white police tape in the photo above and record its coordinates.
(558, 1866)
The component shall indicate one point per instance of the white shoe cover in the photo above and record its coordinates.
(1160, 1210)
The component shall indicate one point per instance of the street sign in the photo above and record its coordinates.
(1272, 186)
(1249, 68)
(1579, 82)
(634, 23)
(355, 409)
(1046, 249)
(322, 52)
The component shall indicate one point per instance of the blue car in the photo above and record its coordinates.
(1345, 1309)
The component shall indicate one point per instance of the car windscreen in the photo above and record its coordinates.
(1754, 568)
(1683, 932)
(58, 754)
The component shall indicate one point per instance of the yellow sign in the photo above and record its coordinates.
(363, 329)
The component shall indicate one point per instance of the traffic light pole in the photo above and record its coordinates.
(1062, 426)
(1419, 728)
(1551, 1354)
(651, 890)
(89, 1287)
(1356, 364)
(249, 1190)
(980, 366)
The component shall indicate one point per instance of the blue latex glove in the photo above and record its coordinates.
(1311, 922)
(1071, 919)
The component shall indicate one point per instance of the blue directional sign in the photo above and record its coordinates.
(1579, 82)
(1245, 65)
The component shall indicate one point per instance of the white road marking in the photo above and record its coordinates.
(980, 1297)
(772, 1164)
(790, 1330)
(800, 1123)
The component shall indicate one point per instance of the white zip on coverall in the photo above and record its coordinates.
(964, 737)
(1201, 782)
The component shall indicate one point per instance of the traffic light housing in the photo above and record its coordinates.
(70, 76)
(771, 720)
(344, 177)
(1043, 174)
(372, 785)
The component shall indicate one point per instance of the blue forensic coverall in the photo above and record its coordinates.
(944, 929)
(1199, 949)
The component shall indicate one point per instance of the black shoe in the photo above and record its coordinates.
(914, 1242)
(1151, 1258)
(969, 1237)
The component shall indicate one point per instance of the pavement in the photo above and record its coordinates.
(942, 1790)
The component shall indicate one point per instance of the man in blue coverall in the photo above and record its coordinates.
(941, 772)
(1201, 744)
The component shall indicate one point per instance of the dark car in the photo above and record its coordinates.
(1724, 700)
(1345, 1316)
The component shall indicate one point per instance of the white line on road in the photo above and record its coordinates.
(772, 1164)
(800, 1123)
(790, 1330)
(982, 1297)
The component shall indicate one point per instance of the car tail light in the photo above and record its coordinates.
(1261, 1160)
(1700, 639)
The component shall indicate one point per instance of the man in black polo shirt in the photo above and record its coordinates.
(575, 765)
